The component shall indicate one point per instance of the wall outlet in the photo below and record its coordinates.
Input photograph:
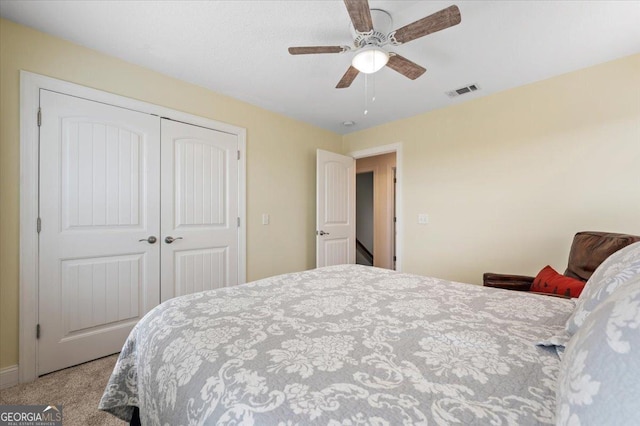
(423, 218)
(265, 218)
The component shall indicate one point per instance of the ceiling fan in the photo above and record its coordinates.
(369, 42)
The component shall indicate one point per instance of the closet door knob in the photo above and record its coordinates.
(170, 239)
(150, 240)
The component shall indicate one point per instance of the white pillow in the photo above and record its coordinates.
(599, 375)
(618, 269)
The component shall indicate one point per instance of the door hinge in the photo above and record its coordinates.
(38, 331)
(39, 116)
(238, 154)
(394, 258)
(238, 222)
(39, 225)
(395, 219)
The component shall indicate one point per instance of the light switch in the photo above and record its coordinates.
(265, 218)
(423, 218)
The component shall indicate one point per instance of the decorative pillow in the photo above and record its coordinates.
(619, 268)
(600, 370)
(549, 280)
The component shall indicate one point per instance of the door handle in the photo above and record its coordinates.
(150, 240)
(170, 239)
(322, 233)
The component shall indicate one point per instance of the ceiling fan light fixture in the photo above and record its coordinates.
(370, 59)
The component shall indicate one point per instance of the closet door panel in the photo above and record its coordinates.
(199, 209)
(99, 183)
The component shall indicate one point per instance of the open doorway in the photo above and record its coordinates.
(375, 210)
(364, 218)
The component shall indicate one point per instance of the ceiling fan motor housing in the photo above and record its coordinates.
(373, 37)
(382, 24)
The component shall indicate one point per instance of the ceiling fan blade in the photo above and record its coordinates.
(315, 49)
(436, 22)
(360, 15)
(347, 78)
(405, 67)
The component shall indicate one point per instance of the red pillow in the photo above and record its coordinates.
(549, 281)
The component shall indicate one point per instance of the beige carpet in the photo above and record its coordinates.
(78, 389)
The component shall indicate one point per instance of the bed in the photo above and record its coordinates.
(345, 345)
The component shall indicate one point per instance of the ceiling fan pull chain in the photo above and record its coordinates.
(366, 96)
(373, 88)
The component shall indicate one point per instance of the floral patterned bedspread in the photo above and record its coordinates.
(342, 345)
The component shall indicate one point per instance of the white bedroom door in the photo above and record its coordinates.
(99, 263)
(335, 209)
(200, 220)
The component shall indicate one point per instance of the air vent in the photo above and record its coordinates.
(461, 91)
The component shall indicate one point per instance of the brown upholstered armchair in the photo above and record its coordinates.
(588, 251)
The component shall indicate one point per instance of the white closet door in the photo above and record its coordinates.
(99, 183)
(199, 209)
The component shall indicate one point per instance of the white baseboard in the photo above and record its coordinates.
(8, 376)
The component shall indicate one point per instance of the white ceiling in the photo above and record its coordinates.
(239, 48)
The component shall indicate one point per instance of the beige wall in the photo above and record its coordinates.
(278, 184)
(508, 179)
